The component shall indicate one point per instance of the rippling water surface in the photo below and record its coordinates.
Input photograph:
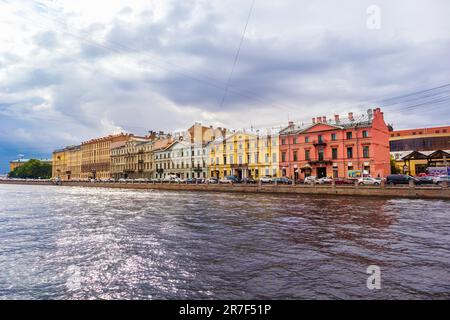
(83, 243)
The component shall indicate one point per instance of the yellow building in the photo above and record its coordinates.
(96, 156)
(59, 164)
(244, 155)
(73, 157)
(66, 163)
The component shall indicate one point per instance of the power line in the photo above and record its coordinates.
(236, 57)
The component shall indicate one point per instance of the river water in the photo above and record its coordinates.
(87, 243)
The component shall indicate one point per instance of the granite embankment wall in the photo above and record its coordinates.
(391, 192)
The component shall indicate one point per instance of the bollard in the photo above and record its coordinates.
(293, 182)
(382, 184)
(412, 184)
(260, 183)
(356, 183)
(333, 183)
(444, 184)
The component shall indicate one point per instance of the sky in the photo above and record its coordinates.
(75, 70)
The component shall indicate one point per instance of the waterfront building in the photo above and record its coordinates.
(128, 158)
(96, 156)
(339, 147)
(414, 150)
(244, 154)
(423, 139)
(162, 161)
(20, 162)
(417, 162)
(66, 163)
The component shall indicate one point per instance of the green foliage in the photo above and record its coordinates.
(33, 169)
(394, 169)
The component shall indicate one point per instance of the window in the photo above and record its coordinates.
(295, 140)
(350, 152)
(365, 134)
(256, 158)
(266, 158)
(366, 152)
(231, 159)
(320, 153)
(295, 156)
(319, 138)
(274, 157)
(283, 157)
(306, 139)
(334, 153)
(240, 146)
(333, 136)
(307, 155)
(240, 159)
(349, 135)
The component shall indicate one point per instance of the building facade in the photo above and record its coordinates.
(423, 139)
(130, 159)
(96, 156)
(244, 155)
(66, 163)
(346, 147)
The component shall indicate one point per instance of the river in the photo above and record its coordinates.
(88, 243)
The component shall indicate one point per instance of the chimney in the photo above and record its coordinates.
(313, 120)
(336, 118)
(291, 123)
(370, 114)
(324, 119)
(319, 119)
(350, 116)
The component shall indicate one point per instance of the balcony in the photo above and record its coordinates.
(319, 161)
(319, 142)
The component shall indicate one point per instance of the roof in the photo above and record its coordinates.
(364, 120)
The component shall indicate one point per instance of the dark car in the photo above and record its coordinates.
(394, 179)
(190, 181)
(344, 181)
(282, 180)
(425, 180)
(248, 180)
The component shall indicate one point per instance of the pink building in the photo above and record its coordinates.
(336, 147)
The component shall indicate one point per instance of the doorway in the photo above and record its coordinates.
(321, 172)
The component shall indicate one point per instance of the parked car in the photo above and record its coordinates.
(395, 179)
(266, 179)
(282, 180)
(190, 181)
(229, 179)
(344, 181)
(248, 180)
(368, 181)
(440, 179)
(212, 180)
(310, 180)
(324, 180)
(425, 180)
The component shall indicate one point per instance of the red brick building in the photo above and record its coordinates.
(336, 147)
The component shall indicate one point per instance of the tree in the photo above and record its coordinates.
(394, 168)
(33, 169)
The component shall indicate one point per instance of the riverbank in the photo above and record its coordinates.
(375, 191)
